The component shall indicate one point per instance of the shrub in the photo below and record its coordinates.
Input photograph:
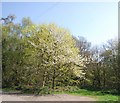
(43, 91)
(66, 88)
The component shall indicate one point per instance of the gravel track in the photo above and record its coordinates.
(55, 97)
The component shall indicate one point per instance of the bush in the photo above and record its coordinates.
(28, 89)
(43, 91)
(47, 90)
(36, 90)
(66, 89)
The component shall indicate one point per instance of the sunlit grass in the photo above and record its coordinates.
(97, 95)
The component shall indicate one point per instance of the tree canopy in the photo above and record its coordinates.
(41, 56)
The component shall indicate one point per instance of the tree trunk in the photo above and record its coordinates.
(43, 83)
(104, 80)
(53, 80)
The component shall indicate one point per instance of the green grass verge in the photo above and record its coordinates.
(98, 95)
(9, 90)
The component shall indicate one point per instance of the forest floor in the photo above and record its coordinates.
(55, 97)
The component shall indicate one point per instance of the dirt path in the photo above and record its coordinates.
(56, 97)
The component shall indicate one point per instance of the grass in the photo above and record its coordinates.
(98, 95)
(9, 90)
(107, 98)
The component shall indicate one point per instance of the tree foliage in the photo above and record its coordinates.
(35, 56)
(41, 58)
(102, 70)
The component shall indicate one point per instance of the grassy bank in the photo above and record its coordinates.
(10, 90)
(98, 95)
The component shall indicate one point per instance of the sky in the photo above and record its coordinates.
(96, 21)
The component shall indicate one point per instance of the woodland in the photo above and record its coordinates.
(42, 58)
